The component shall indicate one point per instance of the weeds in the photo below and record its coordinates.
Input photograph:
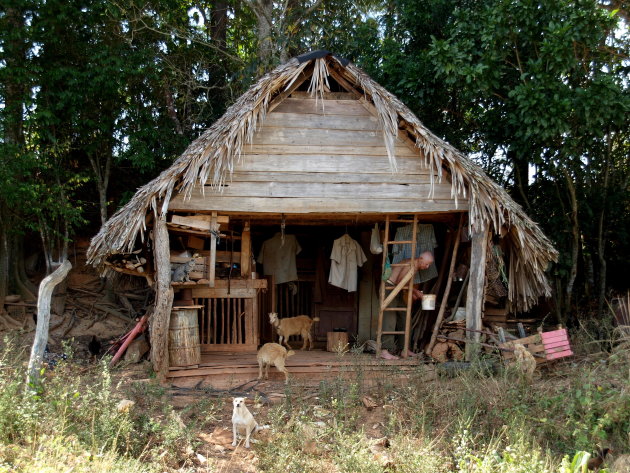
(472, 421)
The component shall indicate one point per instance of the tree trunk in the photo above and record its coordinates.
(219, 21)
(520, 168)
(15, 93)
(102, 183)
(264, 15)
(17, 261)
(46, 288)
(21, 271)
(4, 260)
(575, 233)
(476, 289)
(163, 299)
(601, 242)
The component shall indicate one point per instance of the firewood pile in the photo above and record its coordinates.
(128, 263)
(449, 345)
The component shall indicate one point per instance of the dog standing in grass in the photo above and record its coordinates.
(244, 420)
(272, 353)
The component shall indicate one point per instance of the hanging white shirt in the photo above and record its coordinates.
(346, 257)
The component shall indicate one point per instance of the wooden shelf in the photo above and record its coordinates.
(223, 284)
(130, 272)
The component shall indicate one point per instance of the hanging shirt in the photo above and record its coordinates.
(278, 258)
(425, 241)
(346, 257)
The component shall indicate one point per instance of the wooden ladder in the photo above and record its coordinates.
(387, 294)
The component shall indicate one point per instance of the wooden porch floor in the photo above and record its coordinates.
(226, 370)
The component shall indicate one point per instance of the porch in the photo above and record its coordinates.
(227, 370)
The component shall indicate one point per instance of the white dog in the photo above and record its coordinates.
(243, 419)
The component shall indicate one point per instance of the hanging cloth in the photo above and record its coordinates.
(346, 256)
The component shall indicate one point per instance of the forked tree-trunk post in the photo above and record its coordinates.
(46, 288)
(160, 319)
(476, 288)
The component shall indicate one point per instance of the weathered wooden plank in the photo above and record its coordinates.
(203, 291)
(245, 283)
(321, 107)
(303, 94)
(354, 190)
(314, 137)
(315, 205)
(317, 121)
(340, 164)
(349, 149)
(254, 177)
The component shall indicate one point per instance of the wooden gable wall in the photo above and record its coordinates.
(324, 156)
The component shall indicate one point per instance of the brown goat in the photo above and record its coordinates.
(300, 325)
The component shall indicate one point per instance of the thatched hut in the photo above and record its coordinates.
(316, 149)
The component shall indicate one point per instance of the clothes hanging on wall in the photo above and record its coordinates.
(425, 241)
(347, 255)
(278, 257)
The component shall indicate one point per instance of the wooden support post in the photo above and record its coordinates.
(46, 288)
(447, 290)
(214, 227)
(476, 286)
(379, 326)
(163, 299)
(246, 252)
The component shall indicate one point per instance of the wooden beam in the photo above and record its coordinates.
(294, 205)
(214, 292)
(212, 261)
(246, 252)
(476, 287)
(161, 317)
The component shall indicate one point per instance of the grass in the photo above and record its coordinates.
(473, 421)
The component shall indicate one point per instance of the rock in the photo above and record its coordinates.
(136, 350)
(125, 405)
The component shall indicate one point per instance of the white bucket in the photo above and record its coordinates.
(428, 302)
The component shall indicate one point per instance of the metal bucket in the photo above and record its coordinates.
(428, 301)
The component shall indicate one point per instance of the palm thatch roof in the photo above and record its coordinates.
(210, 160)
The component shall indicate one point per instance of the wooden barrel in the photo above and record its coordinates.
(183, 338)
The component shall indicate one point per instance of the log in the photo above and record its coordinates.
(447, 290)
(476, 287)
(163, 299)
(46, 288)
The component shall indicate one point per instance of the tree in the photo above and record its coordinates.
(544, 83)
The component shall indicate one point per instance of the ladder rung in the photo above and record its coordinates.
(395, 308)
(400, 220)
(402, 242)
(393, 333)
(400, 264)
